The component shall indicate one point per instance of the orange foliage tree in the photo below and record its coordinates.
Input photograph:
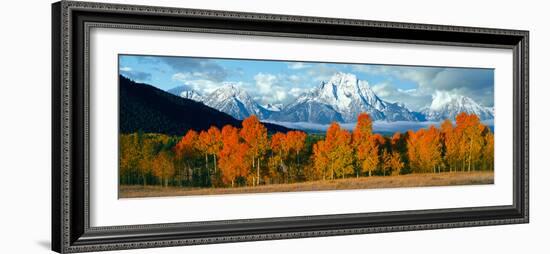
(254, 135)
(233, 155)
(293, 145)
(276, 163)
(424, 150)
(320, 160)
(282, 147)
(295, 141)
(339, 151)
(451, 143)
(366, 151)
(210, 143)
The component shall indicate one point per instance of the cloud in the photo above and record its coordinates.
(420, 75)
(197, 82)
(477, 84)
(138, 76)
(296, 91)
(298, 66)
(378, 126)
(411, 85)
(321, 72)
(412, 98)
(265, 82)
(273, 98)
(207, 68)
(271, 88)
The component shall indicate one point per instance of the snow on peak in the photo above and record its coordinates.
(447, 106)
(441, 99)
(186, 92)
(343, 79)
(273, 107)
(230, 98)
(342, 98)
(232, 89)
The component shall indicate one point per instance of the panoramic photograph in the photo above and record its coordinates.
(214, 126)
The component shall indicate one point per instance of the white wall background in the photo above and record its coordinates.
(25, 126)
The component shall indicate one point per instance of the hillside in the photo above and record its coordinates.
(143, 107)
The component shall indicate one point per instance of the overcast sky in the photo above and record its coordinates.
(282, 81)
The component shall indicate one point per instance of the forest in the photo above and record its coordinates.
(250, 156)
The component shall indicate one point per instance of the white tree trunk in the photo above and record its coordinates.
(215, 164)
(258, 171)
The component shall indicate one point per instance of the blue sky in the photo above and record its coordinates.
(280, 82)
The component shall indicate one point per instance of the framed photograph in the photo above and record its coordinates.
(177, 126)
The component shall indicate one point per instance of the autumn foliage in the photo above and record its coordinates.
(233, 156)
(250, 156)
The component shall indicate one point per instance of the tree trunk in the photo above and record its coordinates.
(258, 171)
(206, 160)
(470, 156)
(332, 171)
(215, 164)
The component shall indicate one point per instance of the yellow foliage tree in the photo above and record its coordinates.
(470, 130)
(392, 163)
(163, 167)
(489, 151)
(339, 151)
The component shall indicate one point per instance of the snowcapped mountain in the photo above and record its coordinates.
(236, 102)
(186, 92)
(342, 98)
(273, 107)
(447, 106)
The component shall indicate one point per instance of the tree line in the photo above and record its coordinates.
(249, 156)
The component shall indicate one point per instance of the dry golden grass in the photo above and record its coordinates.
(412, 180)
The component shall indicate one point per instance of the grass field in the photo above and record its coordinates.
(412, 180)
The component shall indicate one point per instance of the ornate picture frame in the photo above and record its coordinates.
(71, 196)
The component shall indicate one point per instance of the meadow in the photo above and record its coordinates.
(398, 181)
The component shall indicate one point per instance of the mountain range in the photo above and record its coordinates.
(446, 106)
(340, 98)
(145, 108)
(187, 93)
